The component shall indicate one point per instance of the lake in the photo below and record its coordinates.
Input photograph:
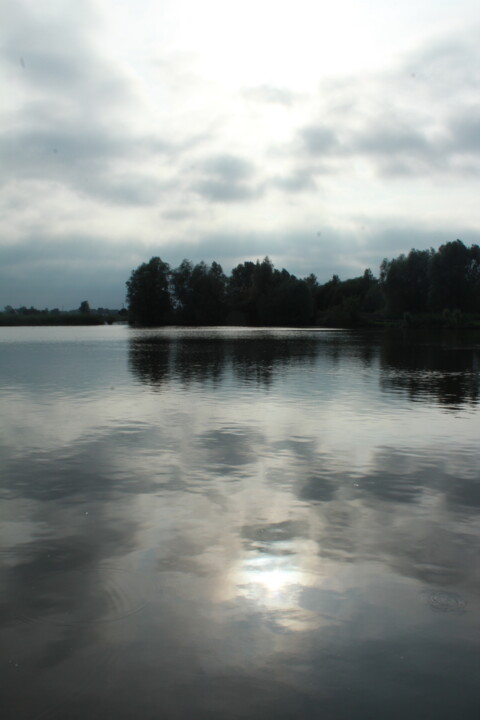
(239, 523)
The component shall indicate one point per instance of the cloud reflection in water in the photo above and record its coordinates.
(294, 521)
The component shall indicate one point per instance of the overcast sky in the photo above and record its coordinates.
(327, 135)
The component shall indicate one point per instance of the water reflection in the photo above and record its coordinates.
(201, 356)
(250, 525)
(443, 365)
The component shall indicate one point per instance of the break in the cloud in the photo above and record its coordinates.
(127, 132)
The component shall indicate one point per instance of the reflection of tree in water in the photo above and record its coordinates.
(254, 359)
(149, 360)
(257, 362)
(198, 361)
(157, 359)
(441, 366)
(362, 347)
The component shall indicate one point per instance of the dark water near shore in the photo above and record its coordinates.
(241, 524)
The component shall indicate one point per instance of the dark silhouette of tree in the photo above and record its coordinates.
(405, 282)
(473, 279)
(148, 296)
(200, 293)
(312, 282)
(256, 293)
(449, 277)
(182, 290)
(84, 307)
(241, 294)
(286, 301)
(341, 303)
(329, 294)
(427, 280)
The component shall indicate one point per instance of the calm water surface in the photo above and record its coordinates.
(241, 524)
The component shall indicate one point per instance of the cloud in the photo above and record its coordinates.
(47, 272)
(318, 140)
(420, 118)
(465, 132)
(58, 54)
(224, 178)
(94, 161)
(270, 94)
(217, 191)
(397, 150)
(298, 181)
(147, 153)
(387, 140)
(75, 116)
(227, 167)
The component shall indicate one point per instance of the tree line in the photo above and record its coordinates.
(84, 315)
(433, 281)
(445, 281)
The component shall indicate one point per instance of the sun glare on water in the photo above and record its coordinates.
(270, 581)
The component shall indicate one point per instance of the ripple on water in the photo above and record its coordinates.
(81, 596)
(443, 601)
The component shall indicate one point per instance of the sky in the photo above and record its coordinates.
(324, 135)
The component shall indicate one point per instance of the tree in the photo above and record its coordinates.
(148, 296)
(329, 295)
(449, 277)
(240, 292)
(199, 293)
(405, 281)
(84, 307)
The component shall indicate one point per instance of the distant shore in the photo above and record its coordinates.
(9, 320)
(415, 321)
